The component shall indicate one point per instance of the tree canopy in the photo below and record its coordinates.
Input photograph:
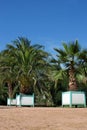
(27, 68)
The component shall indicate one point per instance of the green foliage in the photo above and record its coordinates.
(3, 95)
(29, 69)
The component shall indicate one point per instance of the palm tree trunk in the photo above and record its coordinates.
(9, 89)
(72, 80)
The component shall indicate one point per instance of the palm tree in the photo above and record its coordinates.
(58, 80)
(7, 71)
(69, 57)
(29, 62)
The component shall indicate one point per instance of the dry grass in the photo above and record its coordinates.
(14, 118)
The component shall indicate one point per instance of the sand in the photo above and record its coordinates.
(28, 118)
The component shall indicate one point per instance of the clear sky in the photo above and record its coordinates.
(47, 22)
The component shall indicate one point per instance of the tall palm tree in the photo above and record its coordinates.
(68, 57)
(30, 61)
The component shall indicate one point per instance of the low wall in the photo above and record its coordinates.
(21, 100)
(11, 102)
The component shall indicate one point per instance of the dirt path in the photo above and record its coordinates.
(13, 118)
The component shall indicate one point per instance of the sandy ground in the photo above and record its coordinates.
(27, 118)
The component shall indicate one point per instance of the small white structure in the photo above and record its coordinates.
(21, 100)
(73, 98)
(25, 100)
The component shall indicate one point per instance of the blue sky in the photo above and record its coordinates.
(47, 22)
